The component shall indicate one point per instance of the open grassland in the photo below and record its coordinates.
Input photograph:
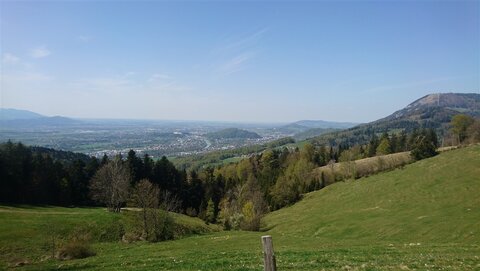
(433, 200)
(425, 216)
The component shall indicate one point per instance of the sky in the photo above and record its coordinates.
(246, 61)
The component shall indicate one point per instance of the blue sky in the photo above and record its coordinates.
(235, 61)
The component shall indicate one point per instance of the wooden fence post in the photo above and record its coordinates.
(268, 254)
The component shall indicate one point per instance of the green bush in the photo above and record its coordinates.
(114, 231)
(163, 227)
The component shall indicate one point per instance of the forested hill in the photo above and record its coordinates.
(313, 127)
(59, 155)
(431, 111)
(437, 108)
(325, 124)
(313, 133)
(232, 133)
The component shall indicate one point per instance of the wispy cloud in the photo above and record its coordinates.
(236, 52)
(244, 41)
(236, 63)
(40, 52)
(10, 59)
(159, 76)
(84, 38)
(164, 83)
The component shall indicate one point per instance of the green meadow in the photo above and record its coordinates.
(424, 216)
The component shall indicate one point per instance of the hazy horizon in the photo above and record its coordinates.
(183, 120)
(247, 62)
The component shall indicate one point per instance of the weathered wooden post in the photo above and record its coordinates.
(268, 254)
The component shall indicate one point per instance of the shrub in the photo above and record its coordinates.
(78, 247)
(131, 237)
(361, 168)
(75, 249)
(160, 226)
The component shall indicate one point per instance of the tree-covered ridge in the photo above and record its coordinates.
(215, 158)
(59, 155)
(232, 133)
(313, 132)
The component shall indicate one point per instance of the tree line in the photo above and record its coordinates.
(236, 195)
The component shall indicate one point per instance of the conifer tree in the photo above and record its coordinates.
(425, 145)
(384, 147)
(210, 215)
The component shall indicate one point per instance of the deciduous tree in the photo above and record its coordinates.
(146, 196)
(460, 124)
(111, 183)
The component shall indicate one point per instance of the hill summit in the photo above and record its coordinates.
(439, 106)
(15, 114)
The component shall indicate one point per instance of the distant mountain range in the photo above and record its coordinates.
(431, 111)
(15, 118)
(16, 114)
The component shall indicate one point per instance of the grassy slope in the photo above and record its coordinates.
(423, 217)
(434, 200)
(26, 231)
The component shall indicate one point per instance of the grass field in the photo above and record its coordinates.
(425, 216)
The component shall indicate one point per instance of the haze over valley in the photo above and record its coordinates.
(97, 137)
